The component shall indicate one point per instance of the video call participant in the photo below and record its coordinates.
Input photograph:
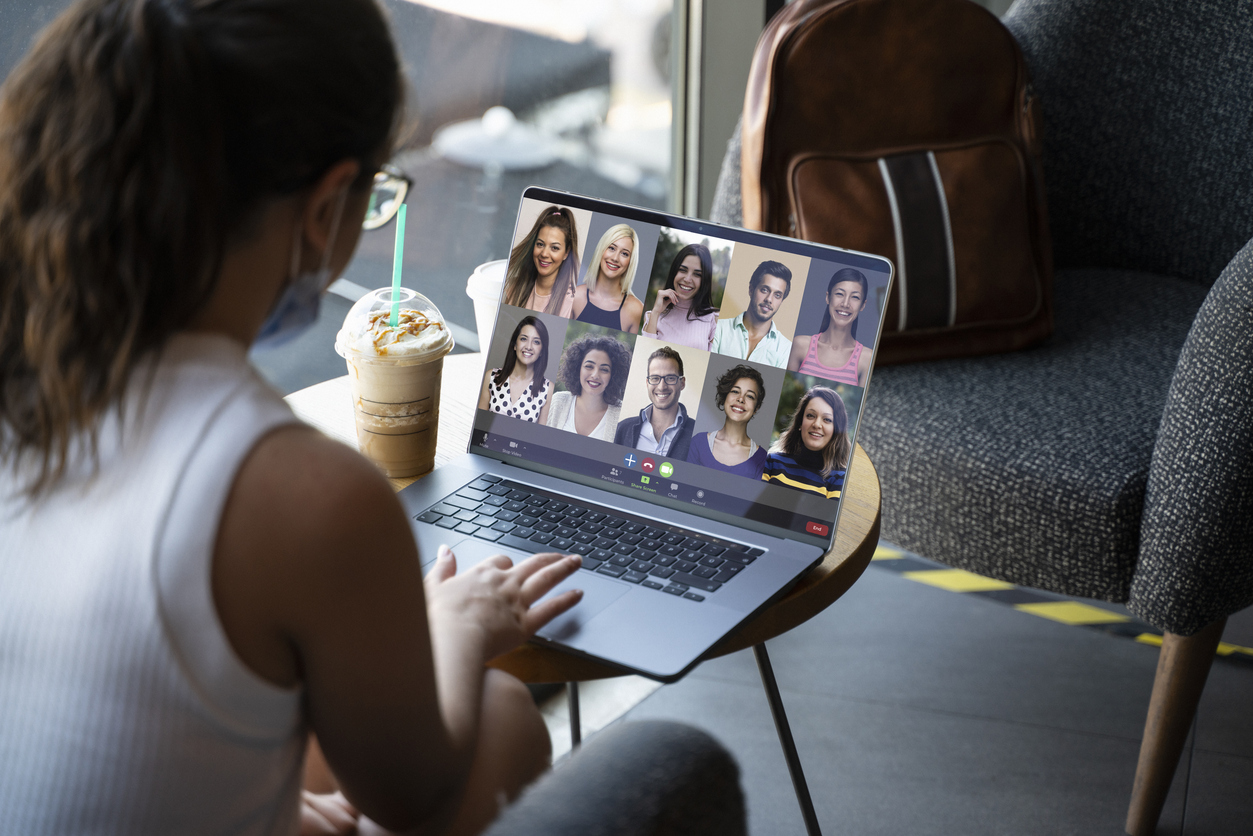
(605, 296)
(812, 453)
(739, 394)
(594, 369)
(683, 311)
(544, 266)
(833, 353)
(523, 374)
(662, 427)
(752, 335)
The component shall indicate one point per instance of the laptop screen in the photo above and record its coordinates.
(701, 367)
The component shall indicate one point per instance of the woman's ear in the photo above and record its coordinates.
(318, 216)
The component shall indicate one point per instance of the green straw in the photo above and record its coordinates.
(400, 251)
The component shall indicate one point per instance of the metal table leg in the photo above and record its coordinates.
(785, 738)
(576, 726)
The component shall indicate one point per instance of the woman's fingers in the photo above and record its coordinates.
(545, 611)
(445, 566)
(547, 576)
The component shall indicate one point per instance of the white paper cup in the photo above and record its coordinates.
(485, 287)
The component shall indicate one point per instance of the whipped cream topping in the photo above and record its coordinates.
(414, 333)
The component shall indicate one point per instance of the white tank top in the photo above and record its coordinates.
(123, 708)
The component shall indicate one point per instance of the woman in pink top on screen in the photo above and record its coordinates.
(683, 311)
(544, 266)
(833, 353)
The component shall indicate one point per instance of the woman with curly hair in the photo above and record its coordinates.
(739, 394)
(812, 453)
(544, 266)
(594, 370)
(683, 311)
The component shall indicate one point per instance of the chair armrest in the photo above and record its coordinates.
(650, 777)
(1196, 535)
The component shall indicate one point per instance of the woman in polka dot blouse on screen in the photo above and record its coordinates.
(519, 389)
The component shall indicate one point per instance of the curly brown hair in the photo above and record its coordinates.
(138, 139)
(619, 365)
(727, 382)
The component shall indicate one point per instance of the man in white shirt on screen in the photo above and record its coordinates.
(752, 335)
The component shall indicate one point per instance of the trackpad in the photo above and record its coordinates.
(598, 592)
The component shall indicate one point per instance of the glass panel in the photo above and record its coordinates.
(508, 93)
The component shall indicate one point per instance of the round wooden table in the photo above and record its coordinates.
(328, 406)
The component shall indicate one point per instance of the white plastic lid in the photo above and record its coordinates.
(421, 335)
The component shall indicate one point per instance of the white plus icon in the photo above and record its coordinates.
(630, 460)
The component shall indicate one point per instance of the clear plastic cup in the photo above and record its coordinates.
(395, 376)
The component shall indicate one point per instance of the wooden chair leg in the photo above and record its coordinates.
(1182, 668)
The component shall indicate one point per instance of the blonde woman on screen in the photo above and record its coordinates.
(605, 296)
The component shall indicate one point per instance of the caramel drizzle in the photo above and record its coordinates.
(407, 322)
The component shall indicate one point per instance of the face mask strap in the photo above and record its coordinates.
(336, 216)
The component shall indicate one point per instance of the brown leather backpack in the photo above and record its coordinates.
(907, 128)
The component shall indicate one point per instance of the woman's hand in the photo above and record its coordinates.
(327, 815)
(493, 604)
(665, 300)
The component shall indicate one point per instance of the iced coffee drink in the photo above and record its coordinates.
(394, 372)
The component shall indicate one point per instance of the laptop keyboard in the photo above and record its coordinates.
(634, 549)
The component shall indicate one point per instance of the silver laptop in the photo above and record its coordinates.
(675, 400)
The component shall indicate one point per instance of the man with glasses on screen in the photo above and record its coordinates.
(663, 426)
(753, 335)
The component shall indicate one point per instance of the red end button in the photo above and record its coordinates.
(817, 528)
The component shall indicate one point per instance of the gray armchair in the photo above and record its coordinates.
(1116, 460)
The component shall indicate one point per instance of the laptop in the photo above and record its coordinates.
(756, 371)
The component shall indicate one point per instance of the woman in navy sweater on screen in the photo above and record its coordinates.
(191, 581)
(813, 452)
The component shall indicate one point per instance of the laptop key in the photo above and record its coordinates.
(590, 564)
(651, 584)
(542, 538)
(584, 538)
(630, 539)
(642, 566)
(467, 528)
(499, 490)
(591, 528)
(645, 554)
(465, 516)
(471, 493)
(674, 590)
(692, 596)
(557, 506)
(612, 571)
(481, 484)
(575, 511)
(633, 577)
(520, 495)
(526, 520)
(428, 517)
(651, 545)
(622, 548)
(632, 528)
(514, 505)
(504, 527)
(704, 572)
(507, 516)
(712, 561)
(684, 565)
(561, 544)
(673, 539)
(524, 532)
(515, 542)
(448, 522)
(566, 531)
(488, 477)
(714, 549)
(699, 583)
(726, 573)
(488, 534)
(664, 560)
(484, 519)
(545, 526)
(756, 552)
(463, 503)
(661, 572)
(741, 558)
(444, 509)
(594, 517)
(495, 501)
(622, 560)
(604, 543)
